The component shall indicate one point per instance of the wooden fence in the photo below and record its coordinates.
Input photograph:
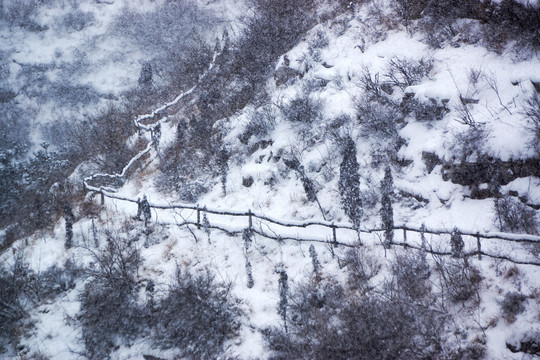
(333, 235)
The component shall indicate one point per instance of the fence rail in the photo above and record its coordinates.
(332, 238)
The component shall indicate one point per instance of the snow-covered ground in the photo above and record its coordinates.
(499, 84)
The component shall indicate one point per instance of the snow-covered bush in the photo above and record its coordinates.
(274, 28)
(514, 216)
(78, 19)
(376, 111)
(458, 281)
(423, 110)
(469, 145)
(326, 321)
(303, 109)
(19, 12)
(361, 266)
(196, 316)
(12, 303)
(109, 310)
(512, 305)
(261, 122)
(411, 273)
(403, 72)
(21, 289)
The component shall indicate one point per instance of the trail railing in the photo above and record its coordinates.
(335, 232)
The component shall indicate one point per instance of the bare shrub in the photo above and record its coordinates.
(303, 109)
(19, 12)
(196, 316)
(14, 132)
(426, 110)
(189, 164)
(174, 30)
(261, 122)
(531, 112)
(411, 273)
(78, 19)
(328, 322)
(514, 216)
(459, 282)
(109, 310)
(509, 20)
(101, 138)
(403, 72)
(469, 145)
(408, 10)
(361, 267)
(373, 86)
(512, 305)
(12, 303)
(274, 28)
(22, 290)
(378, 118)
(191, 191)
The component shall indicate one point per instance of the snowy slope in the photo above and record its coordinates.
(335, 53)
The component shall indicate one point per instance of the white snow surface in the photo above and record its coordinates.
(277, 192)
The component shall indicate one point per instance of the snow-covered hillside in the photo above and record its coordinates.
(187, 236)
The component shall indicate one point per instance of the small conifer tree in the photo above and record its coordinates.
(283, 284)
(249, 272)
(457, 244)
(246, 236)
(315, 261)
(309, 188)
(222, 160)
(206, 226)
(68, 216)
(145, 76)
(145, 211)
(349, 184)
(156, 135)
(387, 213)
(181, 131)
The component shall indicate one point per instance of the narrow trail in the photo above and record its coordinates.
(147, 128)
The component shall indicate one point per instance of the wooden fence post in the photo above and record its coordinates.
(198, 217)
(334, 237)
(423, 236)
(479, 246)
(102, 196)
(404, 235)
(250, 220)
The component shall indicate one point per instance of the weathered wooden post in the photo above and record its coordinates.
(250, 220)
(479, 246)
(198, 217)
(334, 237)
(405, 236)
(102, 196)
(423, 236)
